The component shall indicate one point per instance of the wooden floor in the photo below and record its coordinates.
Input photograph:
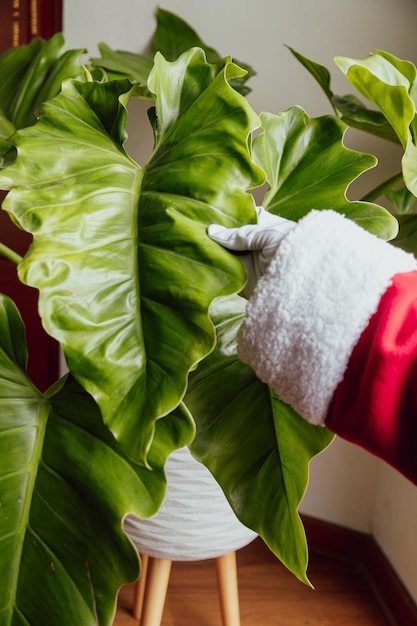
(269, 594)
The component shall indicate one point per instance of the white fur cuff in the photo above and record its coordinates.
(310, 308)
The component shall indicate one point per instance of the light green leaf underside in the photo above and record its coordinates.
(386, 84)
(390, 84)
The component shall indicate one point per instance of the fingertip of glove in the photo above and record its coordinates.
(214, 229)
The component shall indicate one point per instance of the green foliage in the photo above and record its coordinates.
(30, 75)
(131, 282)
(390, 84)
(172, 38)
(66, 484)
(258, 449)
(308, 167)
(144, 304)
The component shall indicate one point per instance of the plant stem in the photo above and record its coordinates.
(9, 254)
(381, 189)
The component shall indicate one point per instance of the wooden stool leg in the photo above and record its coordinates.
(226, 573)
(140, 588)
(156, 591)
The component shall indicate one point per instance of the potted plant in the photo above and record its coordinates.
(145, 305)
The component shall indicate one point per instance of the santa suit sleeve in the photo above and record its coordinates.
(332, 328)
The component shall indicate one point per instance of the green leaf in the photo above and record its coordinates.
(383, 189)
(6, 127)
(348, 107)
(119, 64)
(318, 71)
(355, 114)
(407, 237)
(386, 81)
(42, 78)
(406, 68)
(308, 167)
(14, 64)
(125, 269)
(65, 487)
(402, 200)
(29, 75)
(174, 36)
(257, 448)
(409, 165)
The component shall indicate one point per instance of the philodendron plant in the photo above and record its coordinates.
(145, 305)
(390, 85)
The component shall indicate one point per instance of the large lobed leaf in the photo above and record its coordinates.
(257, 448)
(65, 488)
(384, 80)
(308, 167)
(29, 75)
(390, 83)
(172, 37)
(407, 237)
(352, 111)
(120, 64)
(126, 276)
(125, 269)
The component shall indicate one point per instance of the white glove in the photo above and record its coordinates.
(258, 242)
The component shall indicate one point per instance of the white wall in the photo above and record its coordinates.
(395, 524)
(342, 486)
(347, 486)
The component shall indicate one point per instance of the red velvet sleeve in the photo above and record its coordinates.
(375, 405)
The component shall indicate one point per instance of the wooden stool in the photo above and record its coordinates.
(194, 523)
(152, 586)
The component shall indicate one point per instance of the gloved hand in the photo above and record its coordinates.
(258, 242)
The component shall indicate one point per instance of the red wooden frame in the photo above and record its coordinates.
(49, 17)
(22, 20)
